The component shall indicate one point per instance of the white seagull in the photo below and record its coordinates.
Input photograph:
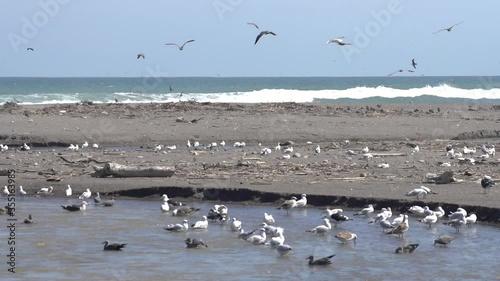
(6, 191)
(365, 211)
(269, 219)
(321, 229)
(471, 219)
(235, 224)
(181, 47)
(283, 249)
(21, 191)
(318, 149)
(85, 195)
(339, 41)
(178, 227)
(69, 192)
(418, 192)
(430, 219)
(165, 207)
(45, 190)
(203, 224)
(302, 201)
(365, 150)
(258, 239)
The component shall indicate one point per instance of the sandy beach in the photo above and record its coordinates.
(127, 134)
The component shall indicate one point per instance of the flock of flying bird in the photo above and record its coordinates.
(339, 41)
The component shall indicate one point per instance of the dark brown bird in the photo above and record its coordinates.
(449, 28)
(29, 219)
(182, 46)
(195, 243)
(407, 249)
(140, 56)
(263, 33)
(413, 63)
(113, 247)
(322, 261)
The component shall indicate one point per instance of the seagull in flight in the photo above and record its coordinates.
(182, 46)
(263, 33)
(251, 23)
(413, 63)
(400, 70)
(140, 56)
(449, 28)
(29, 49)
(339, 41)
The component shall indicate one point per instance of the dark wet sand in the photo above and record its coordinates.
(387, 129)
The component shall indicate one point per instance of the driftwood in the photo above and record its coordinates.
(84, 160)
(446, 177)
(112, 169)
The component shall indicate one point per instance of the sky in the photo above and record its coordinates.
(95, 38)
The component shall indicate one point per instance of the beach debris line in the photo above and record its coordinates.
(113, 169)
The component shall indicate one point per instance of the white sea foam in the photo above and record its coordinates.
(266, 95)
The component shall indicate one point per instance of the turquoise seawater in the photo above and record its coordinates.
(422, 89)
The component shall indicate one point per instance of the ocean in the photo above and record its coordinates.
(27, 90)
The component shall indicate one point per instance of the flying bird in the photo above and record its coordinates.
(399, 70)
(29, 49)
(339, 41)
(182, 46)
(140, 56)
(413, 63)
(263, 33)
(449, 28)
(251, 23)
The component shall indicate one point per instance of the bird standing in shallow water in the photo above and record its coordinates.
(194, 243)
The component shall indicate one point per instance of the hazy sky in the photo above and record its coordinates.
(102, 38)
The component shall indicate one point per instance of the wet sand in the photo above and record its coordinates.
(127, 133)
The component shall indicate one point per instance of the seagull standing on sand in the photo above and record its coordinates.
(6, 191)
(181, 47)
(69, 192)
(45, 190)
(262, 34)
(339, 41)
(318, 149)
(85, 195)
(21, 191)
(449, 28)
(418, 192)
(486, 183)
